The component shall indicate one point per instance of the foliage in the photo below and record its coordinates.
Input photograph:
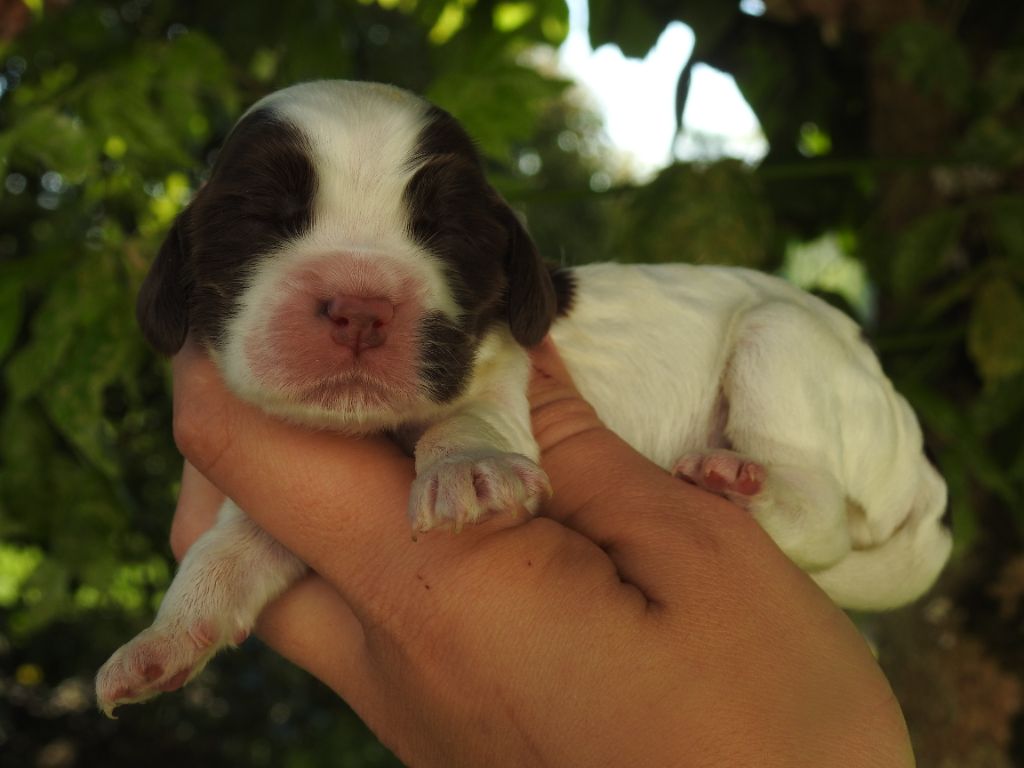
(110, 115)
(897, 136)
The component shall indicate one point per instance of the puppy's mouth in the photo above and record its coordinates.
(353, 390)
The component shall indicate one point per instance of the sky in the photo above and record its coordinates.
(636, 98)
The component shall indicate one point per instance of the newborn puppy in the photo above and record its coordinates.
(348, 266)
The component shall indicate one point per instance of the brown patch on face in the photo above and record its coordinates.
(259, 197)
(496, 274)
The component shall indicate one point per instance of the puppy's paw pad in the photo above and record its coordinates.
(159, 659)
(723, 472)
(465, 488)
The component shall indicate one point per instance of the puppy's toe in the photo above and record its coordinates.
(465, 488)
(159, 659)
(723, 472)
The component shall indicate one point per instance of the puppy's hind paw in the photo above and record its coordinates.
(722, 472)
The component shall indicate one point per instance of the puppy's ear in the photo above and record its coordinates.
(162, 305)
(531, 300)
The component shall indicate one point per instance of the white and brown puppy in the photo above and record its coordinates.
(348, 266)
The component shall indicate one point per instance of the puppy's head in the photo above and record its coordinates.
(346, 259)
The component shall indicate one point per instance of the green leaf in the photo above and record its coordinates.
(11, 289)
(963, 518)
(16, 565)
(498, 101)
(631, 26)
(709, 20)
(1004, 79)
(994, 140)
(712, 214)
(923, 249)
(998, 406)
(74, 401)
(46, 596)
(996, 330)
(1005, 218)
(24, 480)
(55, 141)
(55, 325)
(927, 57)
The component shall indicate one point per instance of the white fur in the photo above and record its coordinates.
(849, 495)
(685, 363)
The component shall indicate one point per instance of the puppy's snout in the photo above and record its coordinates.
(359, 322)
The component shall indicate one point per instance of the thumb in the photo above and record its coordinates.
(587, 463)
(557, 408)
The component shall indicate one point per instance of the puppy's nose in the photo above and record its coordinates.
(359, 322)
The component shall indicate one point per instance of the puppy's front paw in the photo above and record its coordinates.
(161, 658)
(464, 488)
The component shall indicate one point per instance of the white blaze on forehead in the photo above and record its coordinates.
(363, 139)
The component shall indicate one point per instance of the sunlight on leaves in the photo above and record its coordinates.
(132, 583)
(452, 17)
(115, 147)
(16, 565)
(166, 205)
(813, 141)
(509, 17)
(264, 64)
(405, 6)
(824, 264)
(554, 28)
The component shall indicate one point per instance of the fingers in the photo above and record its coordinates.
(312, 626)
(198, 502)
(338, 503)
(649, 523)
(585, 461)
(558, 410)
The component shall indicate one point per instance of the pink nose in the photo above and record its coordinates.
(358, 322)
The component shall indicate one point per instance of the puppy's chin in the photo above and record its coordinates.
(354, 405)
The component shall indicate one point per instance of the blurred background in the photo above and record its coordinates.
(869, 150)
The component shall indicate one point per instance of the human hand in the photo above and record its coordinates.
(639, 621)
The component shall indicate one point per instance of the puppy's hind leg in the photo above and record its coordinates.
(228, 576)
(778, 451)
(801, 509)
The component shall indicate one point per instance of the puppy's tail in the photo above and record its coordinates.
(904, 566)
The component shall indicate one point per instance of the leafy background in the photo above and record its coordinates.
(896, 130)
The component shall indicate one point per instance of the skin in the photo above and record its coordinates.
(638, 621)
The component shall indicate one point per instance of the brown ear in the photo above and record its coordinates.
(162, 305)
(531, 299)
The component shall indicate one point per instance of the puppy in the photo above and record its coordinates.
(348, 266)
